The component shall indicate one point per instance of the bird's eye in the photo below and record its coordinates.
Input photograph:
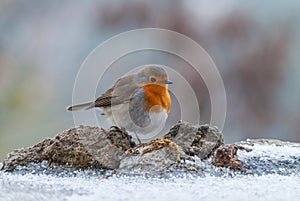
(153, 79)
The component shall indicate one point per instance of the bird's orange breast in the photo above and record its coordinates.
(157, 95)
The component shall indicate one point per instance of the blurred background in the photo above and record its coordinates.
(254, 44)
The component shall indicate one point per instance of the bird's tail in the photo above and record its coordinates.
(81, 106)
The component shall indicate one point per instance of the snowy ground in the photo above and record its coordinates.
(42, 187)
(276, 176)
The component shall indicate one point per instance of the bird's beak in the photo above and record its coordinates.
(168, 82)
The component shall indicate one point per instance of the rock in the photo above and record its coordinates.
(199, 140)
(156, 156)
(81, 147)
(224, 156)
(92, 147)
(96, 149)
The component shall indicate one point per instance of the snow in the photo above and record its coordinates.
(274, 175)
(248, 187)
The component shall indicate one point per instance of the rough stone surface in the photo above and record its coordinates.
(81, 147)
(92, 147)
(199, 140)
(156, 156)
(104, 151)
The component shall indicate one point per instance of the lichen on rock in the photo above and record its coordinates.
(156, 156)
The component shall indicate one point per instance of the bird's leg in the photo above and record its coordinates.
(138, 138)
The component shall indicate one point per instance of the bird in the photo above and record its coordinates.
(139, 102)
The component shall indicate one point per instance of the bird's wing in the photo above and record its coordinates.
(104, 100)
(120, 93)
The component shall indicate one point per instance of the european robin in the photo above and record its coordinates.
(139, 102)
